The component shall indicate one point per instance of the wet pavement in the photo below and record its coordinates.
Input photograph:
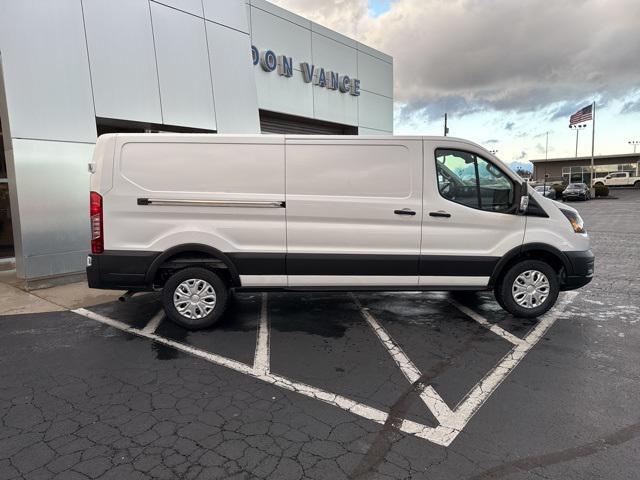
(319, 385)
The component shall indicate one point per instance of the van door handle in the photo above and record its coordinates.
(404, 211)
(440, 214)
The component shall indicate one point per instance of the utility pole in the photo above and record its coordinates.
(635, 143)
(577, 129)
(446, 128)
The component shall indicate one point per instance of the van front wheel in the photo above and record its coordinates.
(194, 298)
(528, 289)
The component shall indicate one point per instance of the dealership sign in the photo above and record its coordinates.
(270, 62)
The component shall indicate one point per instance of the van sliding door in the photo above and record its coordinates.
(353, 211)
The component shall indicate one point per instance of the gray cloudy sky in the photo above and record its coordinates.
(489, 63)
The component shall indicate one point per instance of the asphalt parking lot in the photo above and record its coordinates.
(359, 386)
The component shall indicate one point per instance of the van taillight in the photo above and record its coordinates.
(97, 231)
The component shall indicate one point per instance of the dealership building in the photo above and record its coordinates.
(71, 70)
(578, 169)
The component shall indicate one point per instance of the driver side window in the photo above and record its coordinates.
(470, 180)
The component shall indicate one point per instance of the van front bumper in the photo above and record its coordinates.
(120, 270)
(580, 269)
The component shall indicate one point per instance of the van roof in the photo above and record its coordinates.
(275, 138)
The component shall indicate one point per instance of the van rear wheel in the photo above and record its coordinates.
(528, 289)
(194, 298)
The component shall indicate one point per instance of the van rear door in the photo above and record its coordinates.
(353, 211)
(469, 219)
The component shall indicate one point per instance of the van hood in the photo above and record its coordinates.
(543, 200)
(564, 206)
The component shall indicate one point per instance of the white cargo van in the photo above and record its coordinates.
(198, 215)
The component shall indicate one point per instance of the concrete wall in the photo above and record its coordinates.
(181, 63)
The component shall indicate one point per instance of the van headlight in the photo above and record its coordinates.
(575, 220)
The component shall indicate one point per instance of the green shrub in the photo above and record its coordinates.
(559, 188)
(602, 191)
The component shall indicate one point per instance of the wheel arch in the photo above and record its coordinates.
(196, 248)
(537, 251)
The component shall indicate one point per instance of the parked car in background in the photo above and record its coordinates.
(546, 191)
(576, 191)
(618, 179)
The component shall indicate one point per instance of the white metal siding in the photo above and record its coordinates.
(234, 88)
(183, 68)
(122, 58)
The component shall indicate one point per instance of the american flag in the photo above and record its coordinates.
(583, 115)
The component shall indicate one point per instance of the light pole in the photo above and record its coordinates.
(493, 152)
(577, 128)
(635, 143)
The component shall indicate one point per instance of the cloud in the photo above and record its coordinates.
(465, 56)
(509, 126)
(632, 106)
(491, 141)
(345, 16)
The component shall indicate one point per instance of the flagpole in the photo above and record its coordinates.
(593, 144)
(546, 157)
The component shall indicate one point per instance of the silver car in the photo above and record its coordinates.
(547, 191)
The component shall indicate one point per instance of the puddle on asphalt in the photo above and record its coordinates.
(485, 304)
(234, 336)
(175, 333)
(321, 314)
(136, 311)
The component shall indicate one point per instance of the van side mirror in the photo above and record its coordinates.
(524, 204)
(524, 199)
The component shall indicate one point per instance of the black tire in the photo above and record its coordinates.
(637, 184)
(506, 299)
(218, 286)
(497, 293)
(599, 184)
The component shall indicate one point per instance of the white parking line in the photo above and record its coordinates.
(429, 396)
(339, 401)
(154, 323)
(509, 337)
(451, 422)
(357, 408)
(261, 361)
(210, 357)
